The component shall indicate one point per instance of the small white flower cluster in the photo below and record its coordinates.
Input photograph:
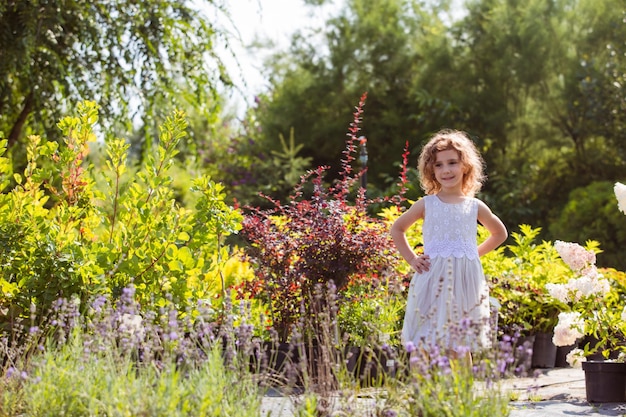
(589, 284)
(575, 358)
(620, 194)
(132, 325)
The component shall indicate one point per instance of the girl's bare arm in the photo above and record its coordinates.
(497, 230)
(398, 234)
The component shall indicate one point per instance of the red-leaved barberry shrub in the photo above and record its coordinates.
(316, 238)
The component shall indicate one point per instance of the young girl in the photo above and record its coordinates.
(448, 289)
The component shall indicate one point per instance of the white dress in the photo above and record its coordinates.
(448, 305)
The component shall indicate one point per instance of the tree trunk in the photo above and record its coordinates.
(21, 119)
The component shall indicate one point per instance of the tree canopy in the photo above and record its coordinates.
(138, 60)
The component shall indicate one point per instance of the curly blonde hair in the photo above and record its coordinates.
(469, 155)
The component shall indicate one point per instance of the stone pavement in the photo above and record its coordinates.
(556, 392)
(549, 393)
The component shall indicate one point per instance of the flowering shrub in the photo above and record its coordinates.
(315, 239)
(590, 305)
(115, 359)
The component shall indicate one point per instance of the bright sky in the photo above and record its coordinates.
(273, 20)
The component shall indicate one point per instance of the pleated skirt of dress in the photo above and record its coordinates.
(448, 305)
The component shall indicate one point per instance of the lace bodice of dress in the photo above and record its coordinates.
(450, 229)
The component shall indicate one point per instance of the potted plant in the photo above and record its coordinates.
(592, 312)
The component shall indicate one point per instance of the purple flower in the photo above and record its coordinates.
(442, 361)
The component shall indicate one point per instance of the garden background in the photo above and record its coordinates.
(124, 170)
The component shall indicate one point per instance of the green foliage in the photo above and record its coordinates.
(592, 213)
(517, 282)
(157, 55)
(370, 47)
(249, 165)
(371, 312)
(42, 246)
(288, 158)
(537, 84)
(62, 236)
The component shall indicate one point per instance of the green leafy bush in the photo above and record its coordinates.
(518, 280)
(371, 311)
(73, 230)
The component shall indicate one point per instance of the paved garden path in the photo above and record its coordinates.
(552, 392)
(556, 392)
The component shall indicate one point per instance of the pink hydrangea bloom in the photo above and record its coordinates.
(575, 256)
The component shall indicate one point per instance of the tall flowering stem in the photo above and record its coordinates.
(342, 188)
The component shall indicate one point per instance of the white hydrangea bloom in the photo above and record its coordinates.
(586, 286)
(620, 194)
(559, 292)
(577, 288)
(603, 286)
(569, 328)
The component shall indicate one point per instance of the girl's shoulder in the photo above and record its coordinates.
(452, 200)
(482, 206)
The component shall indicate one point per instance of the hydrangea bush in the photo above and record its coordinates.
(591, 306)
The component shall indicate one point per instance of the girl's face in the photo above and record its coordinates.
(449, 169)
